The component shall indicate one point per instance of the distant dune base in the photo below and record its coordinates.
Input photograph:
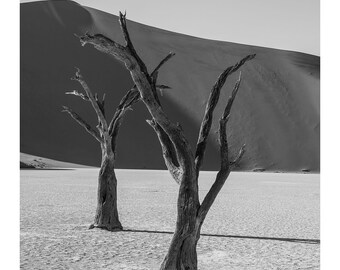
(277, 111)
(34, 162)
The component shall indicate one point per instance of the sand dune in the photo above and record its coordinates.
(277, 111)
(34, 162)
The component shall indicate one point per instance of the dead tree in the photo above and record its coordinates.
(183, 164)
(106, 134)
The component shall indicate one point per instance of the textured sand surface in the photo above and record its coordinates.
(58, 206)
(276, 113)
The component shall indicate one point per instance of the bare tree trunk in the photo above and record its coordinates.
(107, 211)
(182, 251)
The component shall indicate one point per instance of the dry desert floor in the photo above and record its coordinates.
(259, 221)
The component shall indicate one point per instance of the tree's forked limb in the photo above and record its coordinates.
(210, 107)
(226, 165)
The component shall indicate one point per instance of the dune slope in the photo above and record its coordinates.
(34, 162)
(277, 111)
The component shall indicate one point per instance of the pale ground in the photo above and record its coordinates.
(58, 206)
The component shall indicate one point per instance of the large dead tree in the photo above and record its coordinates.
(183, 164)
(106, 134)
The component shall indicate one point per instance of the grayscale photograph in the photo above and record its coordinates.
(170, 135)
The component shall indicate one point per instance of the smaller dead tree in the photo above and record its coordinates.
(183, 164)
(106, 216)
(106, 134)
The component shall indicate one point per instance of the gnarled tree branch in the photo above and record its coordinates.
(101, 104)
(76, 93)
(167, 58)
(125, 103)
(168, 150)
(116, 127)
(78, 77)
(225, 167)
(83, 123)
(231, 99)
(133, 95)
(130, 47)
(130, 98)
(237, 160)
(100, 42)
(210, 107)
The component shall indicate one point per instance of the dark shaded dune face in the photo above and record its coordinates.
(276, 112)
(49, 53)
